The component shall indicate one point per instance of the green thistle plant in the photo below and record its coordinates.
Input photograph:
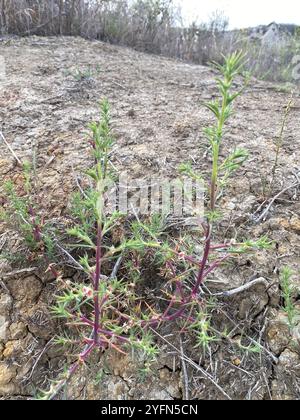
(105, 310)
(107, 307)
(22, 213)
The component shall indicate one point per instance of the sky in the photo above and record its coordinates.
(243, 13)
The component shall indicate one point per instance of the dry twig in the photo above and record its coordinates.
(266, 211)
(193, 364)
(10, 149)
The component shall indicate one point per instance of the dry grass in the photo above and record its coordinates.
(150, 25)
(153, 26)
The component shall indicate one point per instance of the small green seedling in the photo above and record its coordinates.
(84, 74)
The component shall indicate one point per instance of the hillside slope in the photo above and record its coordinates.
(52, 90)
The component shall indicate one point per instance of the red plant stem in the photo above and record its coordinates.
(168, 308)
(97, 284)
(151, 323)
(37, 234)
(122, 316)
(215, 265)
(86, 352)
(104, 332)
(82, 358)
(213, 191)
(53, 271)
(201, 273)
(85, 320)
(178, 283)
(103, 301)
(36, 228)
(112, 335)
(187, 258)
(164, 317)
(171, 267)
(174, 316)
(180, 290)
(93, 277)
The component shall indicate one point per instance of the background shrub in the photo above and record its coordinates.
(153, 26)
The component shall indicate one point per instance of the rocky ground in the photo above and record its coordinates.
(158, 118)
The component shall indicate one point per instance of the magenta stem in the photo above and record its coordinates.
(215, 265)
(104, 332)
(36, 228)
(97, 284)
(201, 273)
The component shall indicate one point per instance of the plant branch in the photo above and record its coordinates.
(266, 211)
(10, 149)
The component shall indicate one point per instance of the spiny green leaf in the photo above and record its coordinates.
(214, 107)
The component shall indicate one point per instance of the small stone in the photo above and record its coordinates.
(6, 166)
(5, 266)
(7, 374)
(295, 224)
(159, 395)
(278, 334)
(117, 390)
(292, 224)
(39, 322)
(254, 303)
(131, 392)
(131, 113)
(236, 361)
(5, 304)
(289, 361)
(4, 324)
(12, 348)
(26, 290)
(164, 374)
(231, 205)
(279, 392)
(296, 333)
(274, 295)
(17, 330)
(55, 351)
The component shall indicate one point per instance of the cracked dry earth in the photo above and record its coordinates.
(158, 120)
